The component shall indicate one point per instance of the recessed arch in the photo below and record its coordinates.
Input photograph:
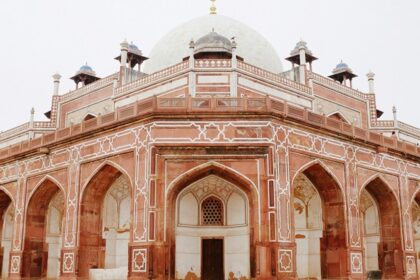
(390, 241)
(333, 240)
(9, 194)
(99, 168)
(6, 205)
(47, 179)
(415, 226)
(416, 195)
(324, 167)
(383, 181)
(245, 188)
(38, 257)
(96, 196)
(211, 167)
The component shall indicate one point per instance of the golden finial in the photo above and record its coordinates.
(213, 9)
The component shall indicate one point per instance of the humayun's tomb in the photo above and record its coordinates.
(207, 159)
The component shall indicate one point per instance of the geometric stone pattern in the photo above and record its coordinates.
(15, 264)
(68, 262)
(285, 260)
(139, 260)
(212, 211)
(120, 189)
(356, 262)
(282, 137)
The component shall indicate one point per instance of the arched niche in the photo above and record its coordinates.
(212, 207)
(308, 227)
(370, 230)
(390, 246)
(415, 216)
(105, 224)
(42, 248)
(7, 213)
(327, 198)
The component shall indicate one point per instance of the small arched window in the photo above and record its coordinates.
(212, 212)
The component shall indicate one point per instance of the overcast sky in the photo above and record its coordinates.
(41, 37)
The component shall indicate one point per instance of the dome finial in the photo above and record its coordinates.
(213, 9)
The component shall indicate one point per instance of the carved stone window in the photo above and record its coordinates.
(212, 212)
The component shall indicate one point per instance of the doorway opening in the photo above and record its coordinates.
(212, 259)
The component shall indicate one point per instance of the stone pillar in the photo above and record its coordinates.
(355, 254)
(302, 66)
(123, 62)
(371, 81)
(285, 250)
(191, 75)
(56, 78)
(234, 75)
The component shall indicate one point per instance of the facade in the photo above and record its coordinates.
(209, 160)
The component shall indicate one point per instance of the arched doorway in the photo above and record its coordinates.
(370, 230)
(320, 228)
(389, 246)
(308, 227)
(415, 215)
(6, 228)
(105, 221)
(212, 230)
(212, 215)
(43, 232)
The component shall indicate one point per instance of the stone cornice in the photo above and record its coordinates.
(210, 108)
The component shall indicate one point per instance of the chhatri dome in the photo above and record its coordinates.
(251, 45)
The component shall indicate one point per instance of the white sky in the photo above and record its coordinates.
(41, 37)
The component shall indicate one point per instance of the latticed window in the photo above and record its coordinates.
(212, 212)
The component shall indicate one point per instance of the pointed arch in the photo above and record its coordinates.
(390, 244)
(96, 171)
(36, 248)
(338, 116)
(46, 180)
(193, 175)
(7, 204)
(324, 167)
(211, 167)
(380, 178)
(416, 196)
(8, 193)
(92, 213)
(89, 116)
(333, 207)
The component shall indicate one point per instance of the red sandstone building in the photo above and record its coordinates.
(209, 160)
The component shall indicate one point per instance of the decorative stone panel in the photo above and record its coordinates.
(68, 262)
(139, 260)
(285, 260)
(356, 262)
(411, 265)
(15, 264)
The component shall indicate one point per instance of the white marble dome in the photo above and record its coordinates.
(251, 45)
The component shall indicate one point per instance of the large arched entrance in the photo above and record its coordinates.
(320, 228)
(43, 232)
(384, 232)
(211, 235)
(105, 225)
(6, 229)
